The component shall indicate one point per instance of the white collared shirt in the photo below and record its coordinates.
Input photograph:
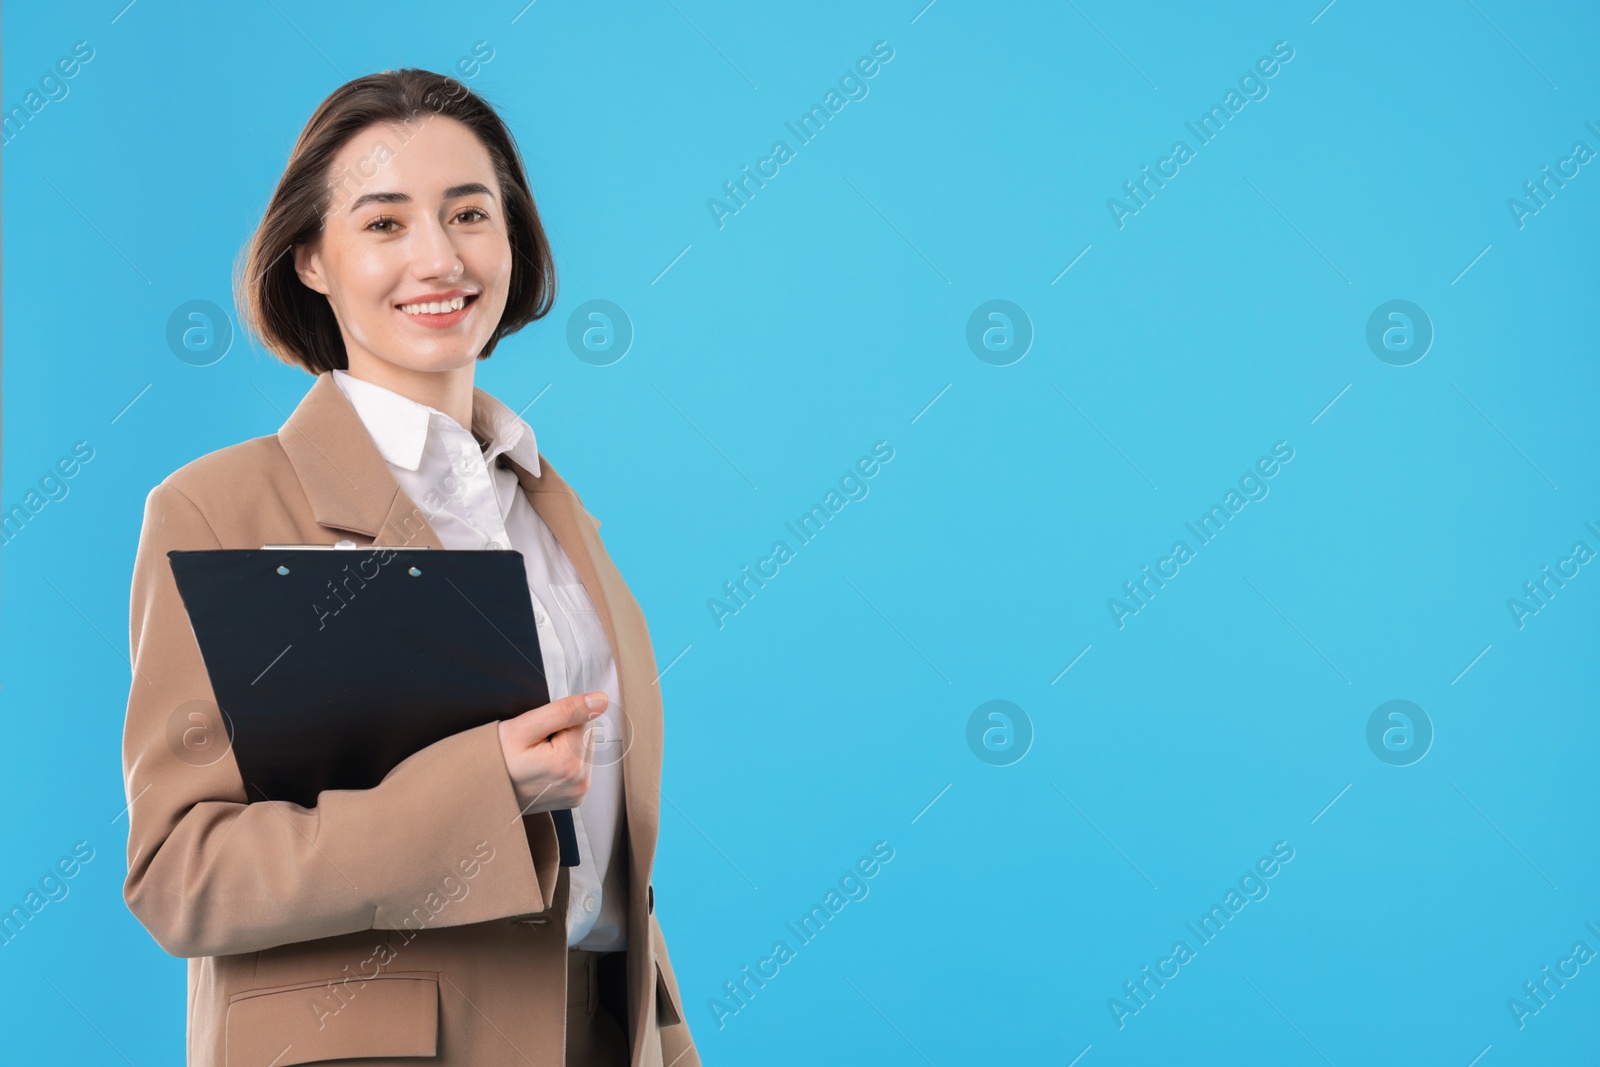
(473, 502)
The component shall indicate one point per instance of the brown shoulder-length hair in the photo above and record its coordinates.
(295, 322)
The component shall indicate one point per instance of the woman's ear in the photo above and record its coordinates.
(308, 264)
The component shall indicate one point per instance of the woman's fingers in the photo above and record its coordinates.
(549, 750)
(535, 725)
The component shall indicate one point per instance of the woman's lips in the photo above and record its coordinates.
(440, 322)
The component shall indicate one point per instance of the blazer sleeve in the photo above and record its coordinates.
(210, 873)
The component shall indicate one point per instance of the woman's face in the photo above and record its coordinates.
(415, 219)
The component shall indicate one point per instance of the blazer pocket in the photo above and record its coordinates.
(393, 1014)
(668, 1011)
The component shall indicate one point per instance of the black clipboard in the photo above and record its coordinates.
(333, 664)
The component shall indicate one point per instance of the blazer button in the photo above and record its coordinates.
(650, 895)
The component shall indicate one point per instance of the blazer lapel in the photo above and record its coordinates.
(558, 506)
(345, 478)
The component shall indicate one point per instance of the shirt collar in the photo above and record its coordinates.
(399, 425)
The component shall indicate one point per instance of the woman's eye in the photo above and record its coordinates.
(381, 225)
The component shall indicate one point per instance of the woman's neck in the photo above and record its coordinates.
(449, 391)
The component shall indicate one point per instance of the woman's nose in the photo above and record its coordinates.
(435, 254)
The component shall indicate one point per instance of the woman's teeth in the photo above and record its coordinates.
(437, 307)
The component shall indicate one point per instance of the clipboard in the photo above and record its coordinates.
(331, 667)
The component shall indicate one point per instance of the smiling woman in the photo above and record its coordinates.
(393, 208)
(400, 246)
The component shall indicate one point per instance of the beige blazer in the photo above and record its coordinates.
(425, 917)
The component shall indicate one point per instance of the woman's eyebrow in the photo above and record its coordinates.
(465, 189)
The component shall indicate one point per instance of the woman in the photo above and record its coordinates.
(427, 916)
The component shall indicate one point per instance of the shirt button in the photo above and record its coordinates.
(538, 616)
(589, 903)
(495, 544)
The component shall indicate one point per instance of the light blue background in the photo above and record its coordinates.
(1227, 315)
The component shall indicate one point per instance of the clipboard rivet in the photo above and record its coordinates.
(282, 569)
(413, 572)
